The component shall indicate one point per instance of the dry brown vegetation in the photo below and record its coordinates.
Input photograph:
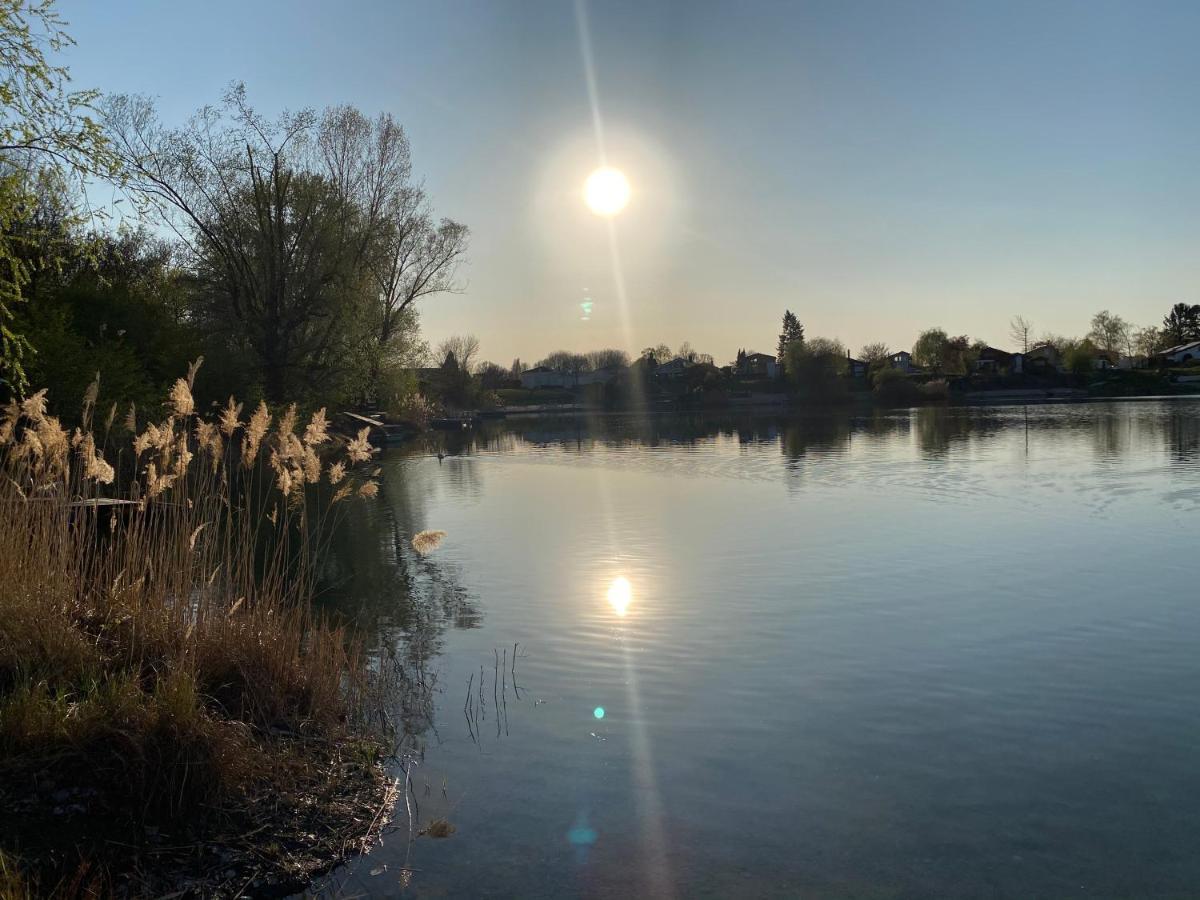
(162, 676)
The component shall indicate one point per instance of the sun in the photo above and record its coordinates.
(606, 191)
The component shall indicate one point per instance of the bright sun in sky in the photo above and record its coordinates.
(606, 191)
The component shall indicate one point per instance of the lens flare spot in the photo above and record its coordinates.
(606, 191)
(620, 595)
(598, 712)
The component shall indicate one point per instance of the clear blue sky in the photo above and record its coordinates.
(876, 167)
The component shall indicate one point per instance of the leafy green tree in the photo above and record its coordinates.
(1079, 356)
(47, 134)
(932, 350)
(1182, 324)
(816, 366)
(792, 333)
(116, 306)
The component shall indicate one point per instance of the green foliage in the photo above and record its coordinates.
(1182, 324)
(114, 306)
(1079, 356)
(941, 354)
(931, 349)
(816, 368)
(791, 335)
(48, 144)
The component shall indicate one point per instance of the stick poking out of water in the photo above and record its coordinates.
(425, 542)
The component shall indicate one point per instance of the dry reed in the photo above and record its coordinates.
(157, 642)
(425, 542)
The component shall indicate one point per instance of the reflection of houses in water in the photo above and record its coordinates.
(1182, 435)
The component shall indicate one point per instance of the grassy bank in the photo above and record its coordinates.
(171, 711)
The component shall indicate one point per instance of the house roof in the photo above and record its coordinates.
(994, 353)
(537, 369)
(1191, 345)
(760, 356)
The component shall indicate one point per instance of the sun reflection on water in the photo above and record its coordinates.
(620, 594)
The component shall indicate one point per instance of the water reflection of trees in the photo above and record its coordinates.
(404, 603)
(1181, 434)
(1118, 428)
(819, 435)
(939, 429)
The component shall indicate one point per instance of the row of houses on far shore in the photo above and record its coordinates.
(1039, 359)
(752, 365)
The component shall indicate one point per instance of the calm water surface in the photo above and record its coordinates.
(951, 652)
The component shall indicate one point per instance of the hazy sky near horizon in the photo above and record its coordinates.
(878, 168)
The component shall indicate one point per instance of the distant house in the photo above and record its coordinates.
(759, 365)
(545, 377)
(902, 361)
(673, 369)
(999, 362)
(1043, 358)
(1180, 355)
(856, 368)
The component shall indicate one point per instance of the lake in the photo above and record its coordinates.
(938, 652)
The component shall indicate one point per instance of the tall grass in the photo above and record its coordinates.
(156, 635)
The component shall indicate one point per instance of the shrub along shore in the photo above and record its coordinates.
(173, 715)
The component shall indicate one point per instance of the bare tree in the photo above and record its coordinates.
(1148, 341)
(659, 354)
(463, 347)
(1110, 333)
(304, 228)
(607, 359)
(1020, 330)
(874, 352)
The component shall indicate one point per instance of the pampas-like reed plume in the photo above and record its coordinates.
(425, 542)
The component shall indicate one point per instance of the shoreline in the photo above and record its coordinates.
(784, 409)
